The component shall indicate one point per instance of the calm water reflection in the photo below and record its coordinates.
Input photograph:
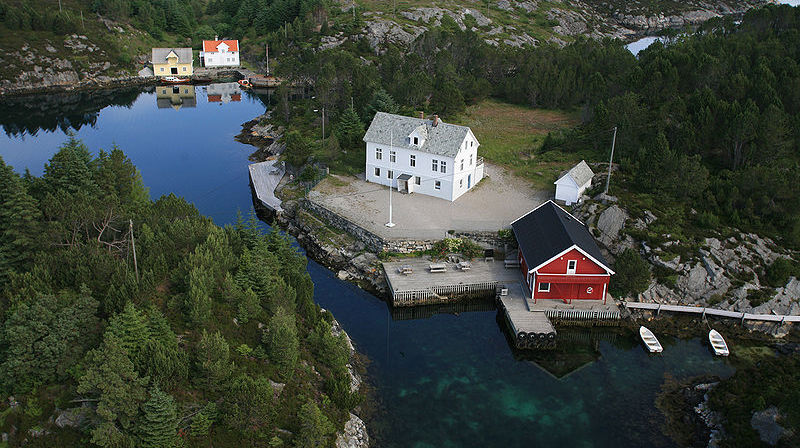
(442, 380)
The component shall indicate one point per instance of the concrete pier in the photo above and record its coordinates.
(264, 177)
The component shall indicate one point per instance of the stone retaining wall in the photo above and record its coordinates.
(373, 242)
(377, 244)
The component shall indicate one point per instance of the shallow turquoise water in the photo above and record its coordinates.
(444, 381)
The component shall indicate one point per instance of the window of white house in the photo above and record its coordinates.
(162, 69)
(444, 166)
(413, 160)
(470, 160)
(378, 153)
(417, 180)
(544, 287)
(462, 164)
(377, 172)
(390, 174)
(392, 156)
(470, 143)
(435, 165)
(416, 140)
(461, 183)
(184, 68)
(437, 185)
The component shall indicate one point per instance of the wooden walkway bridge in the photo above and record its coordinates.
(264, 177)
(704, 311)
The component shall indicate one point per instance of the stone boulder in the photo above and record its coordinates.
(354, 434)
(610, 222)
(73, 417)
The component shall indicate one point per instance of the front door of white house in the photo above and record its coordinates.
(469, 181)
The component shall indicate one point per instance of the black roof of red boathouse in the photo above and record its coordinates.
(549, 230)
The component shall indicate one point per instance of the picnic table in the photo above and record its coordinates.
(438, 267)
(464, 265)
(406, 269)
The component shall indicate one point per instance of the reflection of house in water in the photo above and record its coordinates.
(575, 349)
(224, 92)
(176, 96)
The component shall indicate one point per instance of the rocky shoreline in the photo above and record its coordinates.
(68, 84)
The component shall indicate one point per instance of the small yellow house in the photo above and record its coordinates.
(172, 62)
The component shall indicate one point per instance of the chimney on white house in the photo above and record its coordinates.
(435, 120)
(422, 114)
(216, 37)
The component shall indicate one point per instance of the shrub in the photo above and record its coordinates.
(778, 273)
(632, 275)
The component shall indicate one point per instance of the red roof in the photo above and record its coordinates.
(214, 98)
(211, 45)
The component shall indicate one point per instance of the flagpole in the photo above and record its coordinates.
(391, 180)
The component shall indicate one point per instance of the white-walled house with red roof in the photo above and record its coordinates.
(559, 257)
(220, 53)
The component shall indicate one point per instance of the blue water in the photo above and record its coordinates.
(445, 381)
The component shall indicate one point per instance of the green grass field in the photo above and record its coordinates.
(512, 135)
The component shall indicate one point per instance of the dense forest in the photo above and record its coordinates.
(708, 124)
(133, 322)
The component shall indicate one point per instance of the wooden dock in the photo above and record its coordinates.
(411, 281)
(703, 311)
(529, 329)
(264, 178)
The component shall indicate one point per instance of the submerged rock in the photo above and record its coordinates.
(766, 424)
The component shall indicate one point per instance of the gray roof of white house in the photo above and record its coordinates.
(160, 55)
(580, 173)
(444, 139)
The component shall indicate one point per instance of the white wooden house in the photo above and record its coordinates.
(418, 155)
(220, 53)
(572, 184)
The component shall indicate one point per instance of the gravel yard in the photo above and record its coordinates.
(496, 201)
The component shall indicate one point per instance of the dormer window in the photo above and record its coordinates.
(416, 141)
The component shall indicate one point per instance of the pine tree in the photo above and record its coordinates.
(314, 427)
(350, 129)
(110, 375)
(213, 359)
(131, 330)
(70, 169)
(19, 222)
(201, 423)
(282, 342)
(157, 426)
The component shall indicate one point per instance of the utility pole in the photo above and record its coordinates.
(59, 5)
(268, 58)
(323, 128)
(613, 142)
(133, 244)
(83, 25)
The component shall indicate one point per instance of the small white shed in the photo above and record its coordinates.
(571, 185)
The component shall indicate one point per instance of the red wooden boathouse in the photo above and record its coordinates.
(559, 257)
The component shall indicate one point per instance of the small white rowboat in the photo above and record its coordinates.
(718, 343)
(650, 340)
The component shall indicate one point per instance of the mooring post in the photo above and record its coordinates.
(658, 311)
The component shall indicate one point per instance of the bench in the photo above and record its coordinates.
(405, 269)
(465, 265)
(438, 267)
